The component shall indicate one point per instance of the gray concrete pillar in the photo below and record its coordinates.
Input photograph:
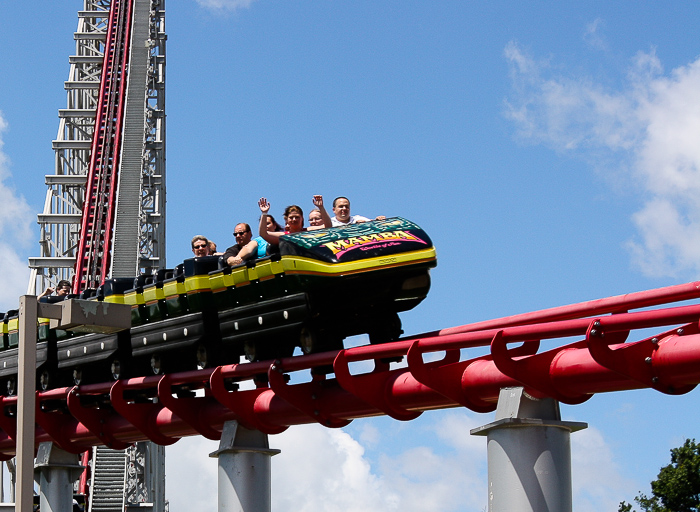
(56, 470)
(244, 470)
(529, 455)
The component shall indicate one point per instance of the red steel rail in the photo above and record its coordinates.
(616, 304)
(93, 252)
(591, 354)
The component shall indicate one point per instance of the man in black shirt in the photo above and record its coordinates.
(244, 248)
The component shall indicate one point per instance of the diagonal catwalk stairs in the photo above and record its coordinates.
(108, 480)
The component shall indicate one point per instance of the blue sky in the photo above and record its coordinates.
(549, 149)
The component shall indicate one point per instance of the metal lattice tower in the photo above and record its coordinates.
(104, 213)
(139, 215)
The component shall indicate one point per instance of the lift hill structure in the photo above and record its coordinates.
(104, 214)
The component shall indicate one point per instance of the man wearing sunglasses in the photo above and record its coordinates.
(244, 249)
(200, 246)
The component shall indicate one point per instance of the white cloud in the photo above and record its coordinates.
(369, 435)
(648, 129)
(567, 113)
(324, 469)
(437, 466)
(225, 5)
(327, 469)
(447, 473)
(190, 475)
(593, 37)
(597, 482)
(15, 221)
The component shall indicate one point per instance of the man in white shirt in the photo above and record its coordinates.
(341, 209)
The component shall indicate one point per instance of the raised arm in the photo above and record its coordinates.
(318, 203)
(269, 237)
(46, 292)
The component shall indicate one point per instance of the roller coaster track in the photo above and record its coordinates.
(367, 383)
(94, 247)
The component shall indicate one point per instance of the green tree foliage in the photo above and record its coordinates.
(677, 486)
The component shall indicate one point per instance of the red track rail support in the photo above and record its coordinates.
(533, 371)
(310, 398)
(242, 404)
(188, 408)
(142, 415)
(372, 387)
(164, 409)
(93, 419)
(635, 360)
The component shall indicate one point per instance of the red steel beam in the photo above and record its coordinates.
(599, 360)
(616, 304)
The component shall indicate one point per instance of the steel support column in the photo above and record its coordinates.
(244, 470)
(57, 470)
(529, 454)
(26, 380)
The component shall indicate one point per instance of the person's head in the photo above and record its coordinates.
(294, 217)
(63, 287)
(212, 247)
(242, 234)
(341, 208)
(200, 246)
(272, 225)
(315, 217)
